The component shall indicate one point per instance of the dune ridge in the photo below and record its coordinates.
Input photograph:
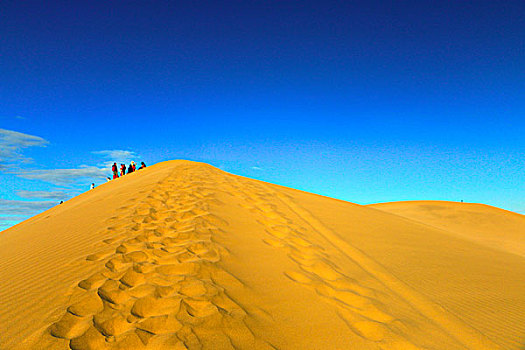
(490, 226)
(184, 255)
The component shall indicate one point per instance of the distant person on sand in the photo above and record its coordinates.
(142, 165)
(115, 171)
(108, 179)
(122, 169)
(130, 168)
(134, 165)
(92, 186)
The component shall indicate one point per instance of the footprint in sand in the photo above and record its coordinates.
(154, 287)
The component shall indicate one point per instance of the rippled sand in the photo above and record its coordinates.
(182, 255)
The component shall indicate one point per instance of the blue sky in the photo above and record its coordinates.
(366, 101)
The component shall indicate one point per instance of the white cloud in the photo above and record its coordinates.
(64, 176)
(12, 211)
(116, 156)
(8, 221)
(12, 143)
(23, 208)
(58, 195)
(256, 168)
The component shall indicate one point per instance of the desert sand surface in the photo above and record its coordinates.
(182, 255)
(480, 223)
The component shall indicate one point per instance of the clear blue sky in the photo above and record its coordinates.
(367, 101)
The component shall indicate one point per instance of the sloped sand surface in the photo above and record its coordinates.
(493, 227)
(183, 255)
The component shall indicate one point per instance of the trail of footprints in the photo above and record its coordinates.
(156, 287)
(357, 305)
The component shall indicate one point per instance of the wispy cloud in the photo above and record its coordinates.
(23, 208)
(64, 176)
(58, 195)
(12, 143)
(12, 211)
(116, 155)
(14, 161)
(8, 221)
(11, 117)
(256, 168)
(11, 159)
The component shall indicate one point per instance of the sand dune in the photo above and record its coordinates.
(183, 255)
(483, 224)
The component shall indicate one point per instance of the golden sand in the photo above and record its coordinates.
(182, 255)
(492, 227)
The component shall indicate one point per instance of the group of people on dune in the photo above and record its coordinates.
(131, 168)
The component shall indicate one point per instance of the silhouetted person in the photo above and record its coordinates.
(142, 165)
(134, 165)
(122, 169)
(92, 186)
(130, 168)
(115, 171)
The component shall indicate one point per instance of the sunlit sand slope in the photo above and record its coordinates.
(483, 224)
(182, 255)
